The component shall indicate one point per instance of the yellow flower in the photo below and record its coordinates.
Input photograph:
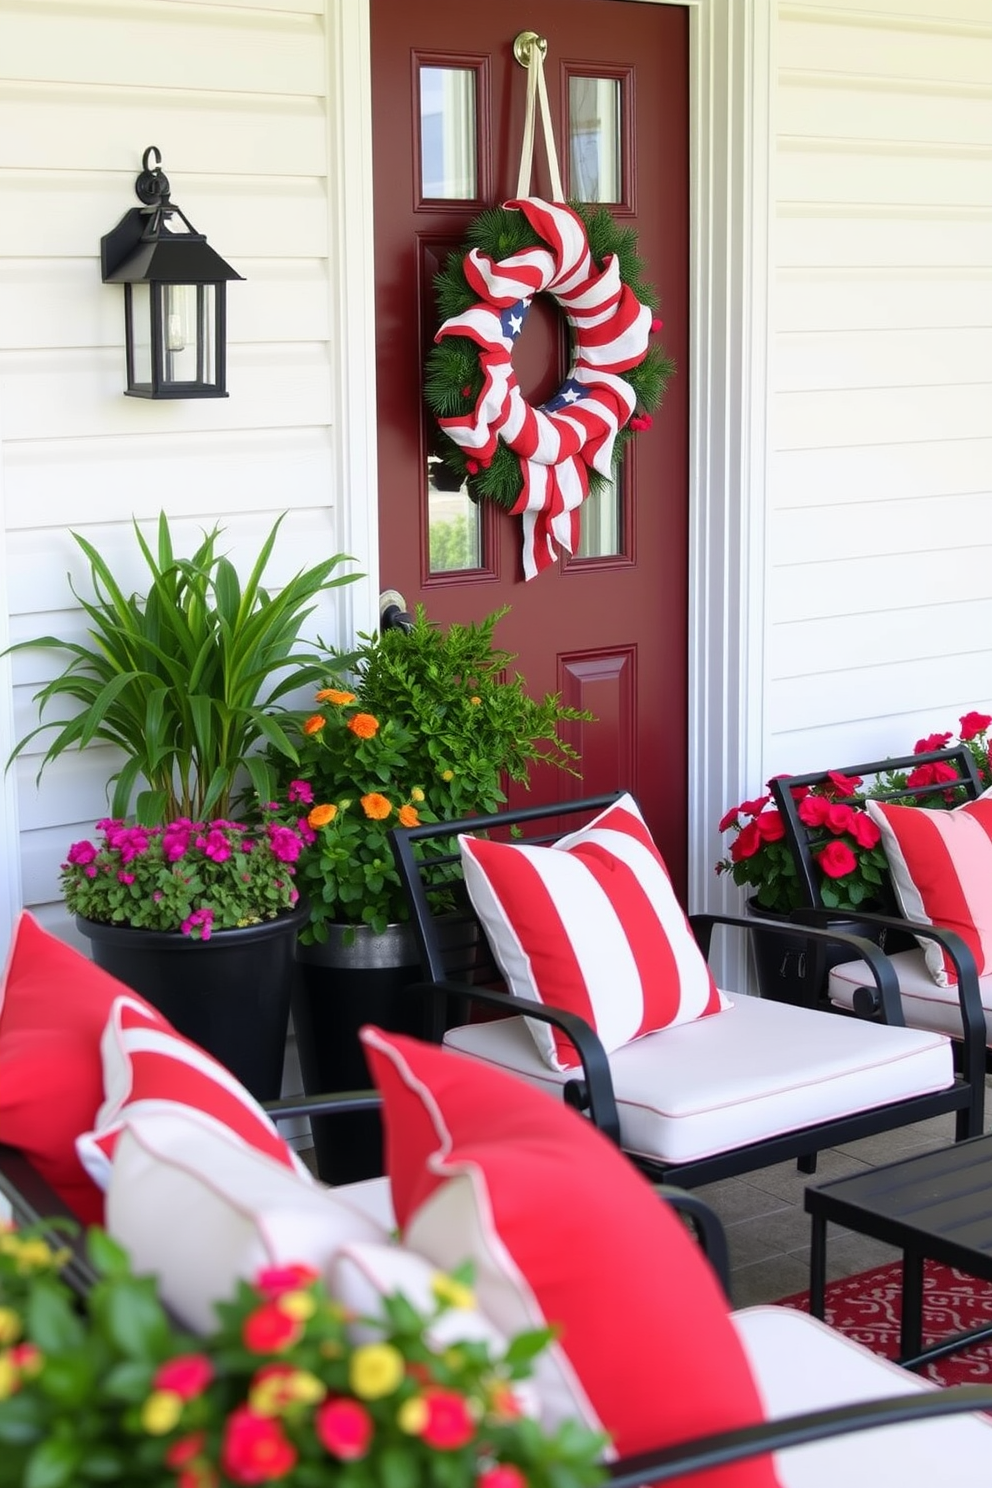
(412, 1415)
(34, 1255)
(375, 1369)
(408, 816)
(10, 1325)
(314, 724)
(475, 701)
(454, 1293)
(416, 794)
(376, 807)
(8, 1376)
(306, 1387)
(161, 1412)
(334, 695)
(321, 815)
(298, 1305)
(447, 774)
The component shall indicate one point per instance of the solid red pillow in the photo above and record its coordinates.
(53, 1006)
(562, 1229)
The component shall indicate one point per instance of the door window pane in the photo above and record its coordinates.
(599, 522)
(447, 133)
(594, 138)
(454, 524)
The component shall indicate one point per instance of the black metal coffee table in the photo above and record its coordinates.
(937, 1204)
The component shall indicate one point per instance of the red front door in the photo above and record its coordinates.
(606, 627)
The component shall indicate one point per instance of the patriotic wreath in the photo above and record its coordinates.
(541, 462)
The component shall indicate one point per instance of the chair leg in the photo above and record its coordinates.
(806, 1163)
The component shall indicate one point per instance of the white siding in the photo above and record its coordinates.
(879, 550)
(236, 98)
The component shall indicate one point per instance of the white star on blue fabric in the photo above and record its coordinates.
(569, 392)
(512, 320)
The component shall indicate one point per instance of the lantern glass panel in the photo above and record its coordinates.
(140, 329)
(179, 333)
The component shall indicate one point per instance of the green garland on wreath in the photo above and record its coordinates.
(453, 378)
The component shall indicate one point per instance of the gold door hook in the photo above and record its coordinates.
(524, 44)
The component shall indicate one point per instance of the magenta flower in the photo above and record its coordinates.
(216, 845)
(124, 878)
(284, 843)
(81, 853)
(301, 791)
(202, 919)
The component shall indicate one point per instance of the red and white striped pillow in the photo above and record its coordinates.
(591, 924)
(941, 866)
(149, 1067)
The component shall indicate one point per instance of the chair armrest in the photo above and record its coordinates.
(594, 1093)
(322, 1105)
(887, 999)
(33, 1201)
(708, 1228)
(965, 966)
(794, 1431)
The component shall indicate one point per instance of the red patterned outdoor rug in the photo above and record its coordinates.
(867, 1307)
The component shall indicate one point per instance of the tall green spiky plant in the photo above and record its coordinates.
(187, 679)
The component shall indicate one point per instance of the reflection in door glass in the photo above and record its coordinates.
(453, 523)
(447, 132)
(599, 518)
(594, 138)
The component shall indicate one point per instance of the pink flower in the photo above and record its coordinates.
(838, 817)
(284, 843)
(344, 1427)
(864, 830)
(81, 853)
(449, 1423)
(503, 1475)
(202, 919)
(273, 1281)
(269, 1330)
(216, 846)
(124, 878)
(301, 791)
(187, 1376)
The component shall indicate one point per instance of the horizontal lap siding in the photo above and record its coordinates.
(234, 96)
(879, 535)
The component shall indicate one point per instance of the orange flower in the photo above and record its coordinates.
(376, 807)
(364, 725)
(321, 815)
(314, 724)
(334, 695)
(409, 817)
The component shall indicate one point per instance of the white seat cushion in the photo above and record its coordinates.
(759, 1069)
(800, 1364)
(924, 1004)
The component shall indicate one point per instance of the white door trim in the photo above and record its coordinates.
(730, 136)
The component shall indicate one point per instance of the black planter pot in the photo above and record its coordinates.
(338, 987)
(793, 968)
(229, 994)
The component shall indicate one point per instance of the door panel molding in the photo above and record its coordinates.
(731, 51)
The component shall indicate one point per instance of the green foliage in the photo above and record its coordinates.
(452, 545)
(187, 679)
(453, 378)
(108, 1391)
(421, 729)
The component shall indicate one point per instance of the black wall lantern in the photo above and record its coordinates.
(175, 321)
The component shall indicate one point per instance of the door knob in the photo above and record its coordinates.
(393, 613)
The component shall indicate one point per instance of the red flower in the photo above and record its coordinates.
(936, 773)
(843, 785)
(269, 1330)
(746, 844)
(255, 1448)
(449, 1423)
(770, 825)
(186, 1376)
(728, 820)
(936, 741)
(752, 808)
(503, 1475)
(974, 723)
(837, 859)
(838, 817)
(813, 811)
(185, 1449)
(273, 1281)
(345, 1428)
(864, 830)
